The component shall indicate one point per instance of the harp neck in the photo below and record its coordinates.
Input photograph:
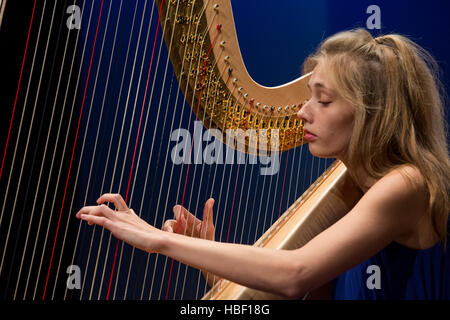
(204, 50)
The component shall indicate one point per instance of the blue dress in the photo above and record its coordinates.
(403, 274)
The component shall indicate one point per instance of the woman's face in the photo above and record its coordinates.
(328, 118)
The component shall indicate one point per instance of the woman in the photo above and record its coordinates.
(376, 106)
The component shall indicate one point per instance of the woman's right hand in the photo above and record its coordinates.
(187, 224)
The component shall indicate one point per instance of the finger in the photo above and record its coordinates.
(91, 219)
(169, 225)
(101, 210)
(208, 212)
(114, 198)
(86, 210)
(207, 228)
(186, 220)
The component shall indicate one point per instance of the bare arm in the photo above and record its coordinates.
(388, 210)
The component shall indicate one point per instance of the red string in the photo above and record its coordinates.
(73, 151)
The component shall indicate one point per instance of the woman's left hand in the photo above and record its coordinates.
(124, 223)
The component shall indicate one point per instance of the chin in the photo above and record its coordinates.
(319, 152)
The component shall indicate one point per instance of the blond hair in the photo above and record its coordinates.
(399, 118)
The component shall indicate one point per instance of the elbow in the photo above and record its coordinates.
(295, 283)
(294, 292)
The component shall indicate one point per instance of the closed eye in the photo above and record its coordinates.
(325, 103)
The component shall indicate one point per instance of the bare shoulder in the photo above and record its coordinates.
(402, 183)
(403, 194)
(408, 175)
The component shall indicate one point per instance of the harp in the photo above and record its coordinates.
(98, 107)
(328, 198)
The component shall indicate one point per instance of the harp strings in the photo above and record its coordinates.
(67, 132)
(164, 169)
(165, 162)
(45, 151)
(209, 176)
(164, 78)
(102, 279)
(196, 71)
(17, 141)
(110, 144)
(211, 187)
(199, 71)
(127, 146)
(82, 153)
(15, 152)
(98, 126)
(32, 122)
(30, 221)
(149, 106)
(83, 145)
(121, 131)
(75, 142)
(71, 207)
(18, 85)
(119, 263)
(141, 202)
(92, 161)
(94, 257)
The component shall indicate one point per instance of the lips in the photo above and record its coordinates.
(308, 136)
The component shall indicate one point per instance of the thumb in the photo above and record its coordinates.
(176, 212)
(208, 213)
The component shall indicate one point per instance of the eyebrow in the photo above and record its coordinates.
(320, 86)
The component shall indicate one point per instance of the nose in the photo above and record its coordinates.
(303, 113)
